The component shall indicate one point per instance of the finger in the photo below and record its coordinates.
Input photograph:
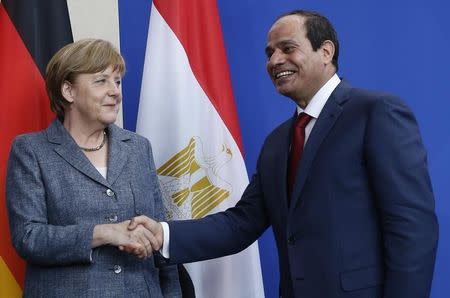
(134, 247)
(148, 248)
(142, 220)
(157, 235)
(153, 239)
(129, 249)
(140, 250)
(148, 251)
(144, 238)
(139, 237)
(141, 253)
(133, 224)
(150, 245)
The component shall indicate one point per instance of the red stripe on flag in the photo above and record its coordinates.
(24, 107)
(197, 26)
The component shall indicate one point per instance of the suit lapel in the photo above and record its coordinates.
(118, 153)
(322, 127)
(280, 165)
(71, 153)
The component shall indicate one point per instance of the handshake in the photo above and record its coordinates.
(140, 236)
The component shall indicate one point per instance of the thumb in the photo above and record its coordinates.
(132, 225)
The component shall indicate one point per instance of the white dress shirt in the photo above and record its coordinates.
(315, 106)
(102, 171)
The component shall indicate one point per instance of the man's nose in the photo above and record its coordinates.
(278, 57)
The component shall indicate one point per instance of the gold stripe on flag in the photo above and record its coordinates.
(9, 287)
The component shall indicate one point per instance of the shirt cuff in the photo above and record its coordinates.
(166, 237)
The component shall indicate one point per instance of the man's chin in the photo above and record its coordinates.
(285, 91)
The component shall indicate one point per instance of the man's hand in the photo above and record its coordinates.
(153, 226)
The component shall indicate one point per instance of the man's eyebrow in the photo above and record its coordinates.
(287, 42)
(269, 49)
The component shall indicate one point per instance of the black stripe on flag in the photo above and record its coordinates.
(43, 25)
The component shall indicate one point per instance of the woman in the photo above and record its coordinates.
(72, 188)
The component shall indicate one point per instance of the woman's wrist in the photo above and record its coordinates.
(101, 235)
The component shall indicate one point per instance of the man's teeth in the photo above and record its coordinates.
(283, 74)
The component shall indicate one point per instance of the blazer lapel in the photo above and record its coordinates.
(280, 165)
(323, 125)
(118, 153)
(71, 153)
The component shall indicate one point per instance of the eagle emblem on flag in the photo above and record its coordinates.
(191, 183)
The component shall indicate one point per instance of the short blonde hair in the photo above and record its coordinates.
(81, 57)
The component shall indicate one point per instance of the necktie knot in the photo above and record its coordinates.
(302, 120)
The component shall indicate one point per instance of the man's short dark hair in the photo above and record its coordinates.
(318, 29)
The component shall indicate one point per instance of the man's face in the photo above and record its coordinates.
(295, 69)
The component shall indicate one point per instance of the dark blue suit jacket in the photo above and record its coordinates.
(362, 220)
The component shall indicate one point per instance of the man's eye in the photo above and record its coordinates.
(288, 49)
(118, 83)
(100, 81)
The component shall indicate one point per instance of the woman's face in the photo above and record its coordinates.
(95, 98)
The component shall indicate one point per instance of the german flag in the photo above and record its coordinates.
(31, 31)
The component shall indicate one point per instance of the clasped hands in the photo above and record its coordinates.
(140, 236)
(153, 236)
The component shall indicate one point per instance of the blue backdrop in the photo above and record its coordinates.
(395, 46)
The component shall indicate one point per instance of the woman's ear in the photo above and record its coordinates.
(67, 91)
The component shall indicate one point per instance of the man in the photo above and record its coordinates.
(354, 215)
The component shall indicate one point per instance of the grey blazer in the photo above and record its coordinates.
(55, 197)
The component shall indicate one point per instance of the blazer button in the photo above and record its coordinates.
(112, 218)
(291, 240)
(117, 269)
(109, 192)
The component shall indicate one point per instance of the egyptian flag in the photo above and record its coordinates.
(187, 111)
(31, 31)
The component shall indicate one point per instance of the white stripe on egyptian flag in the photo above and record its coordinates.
(187, 110)
(27, 41)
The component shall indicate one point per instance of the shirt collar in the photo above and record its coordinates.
(319, 100)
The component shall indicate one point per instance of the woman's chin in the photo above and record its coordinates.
(109, 119)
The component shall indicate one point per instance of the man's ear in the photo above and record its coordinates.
(328, 51)
(67, 91)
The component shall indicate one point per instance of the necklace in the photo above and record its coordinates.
(97, 147)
